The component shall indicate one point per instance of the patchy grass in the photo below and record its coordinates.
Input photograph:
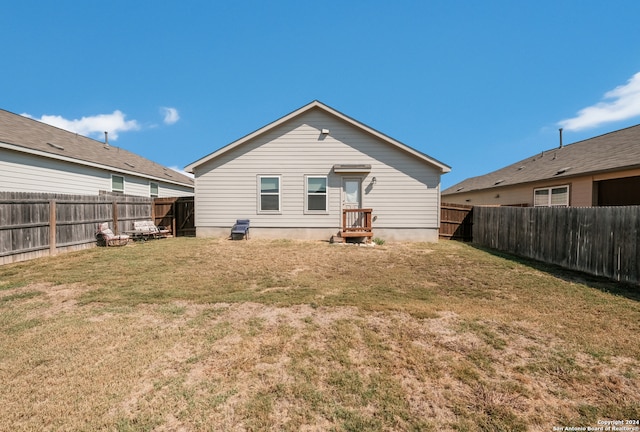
(196, 334)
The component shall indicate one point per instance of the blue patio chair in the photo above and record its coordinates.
(240, 230)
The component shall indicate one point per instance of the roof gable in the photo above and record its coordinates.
(27, 135)
(613, 151)
(319, 105)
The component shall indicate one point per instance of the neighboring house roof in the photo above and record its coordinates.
(27, 135)
(614, 151)
(319, 105)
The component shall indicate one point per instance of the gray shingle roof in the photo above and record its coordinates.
(613, 151)
(33, 135)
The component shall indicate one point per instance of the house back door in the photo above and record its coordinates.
(351, 196)
(352, 199)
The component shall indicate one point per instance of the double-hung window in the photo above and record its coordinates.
(269, 194)
(316, 194)
(557, 196)
(153, 190)
(117, 184)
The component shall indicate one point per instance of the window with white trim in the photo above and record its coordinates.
(268, 194)
(556, 196)
(117, 183)
(316, 195)
(153, 190)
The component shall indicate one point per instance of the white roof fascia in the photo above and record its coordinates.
(89, 164)
(444, 168)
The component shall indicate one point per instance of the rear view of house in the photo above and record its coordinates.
(316, 173)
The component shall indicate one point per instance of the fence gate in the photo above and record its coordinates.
(176, 213)
(456, 222)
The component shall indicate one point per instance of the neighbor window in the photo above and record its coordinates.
(153, 190)
(117, 184)
(269, 200)
(316, 194)
(557, 196)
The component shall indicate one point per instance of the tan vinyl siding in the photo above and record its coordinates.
(22, 172)
(136, 186)
(140, 186)
(509, 195)
(406, 193)
(169, 190)
(617, 174)
(580, 193)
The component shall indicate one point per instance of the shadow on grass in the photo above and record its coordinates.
(623, 289)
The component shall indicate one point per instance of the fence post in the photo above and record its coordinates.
(52, 227)
(114, 214)
(174, 218)
(153, 211)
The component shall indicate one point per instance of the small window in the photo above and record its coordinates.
(153, 190)
(551, 197)
(541, 198)
(560, 196)
(316, 194)
(117, 184)
(269, 187)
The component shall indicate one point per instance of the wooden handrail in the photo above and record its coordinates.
(357, 220)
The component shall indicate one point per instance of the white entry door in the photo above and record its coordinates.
(352, 199)
(351, 193)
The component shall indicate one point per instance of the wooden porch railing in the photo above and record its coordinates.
(357, 223)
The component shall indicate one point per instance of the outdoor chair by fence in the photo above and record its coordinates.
(240, 230)
(106, 237)
(145, 230)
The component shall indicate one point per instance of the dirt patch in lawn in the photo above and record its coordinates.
(404, 337)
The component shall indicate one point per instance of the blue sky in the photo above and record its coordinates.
(475, 84)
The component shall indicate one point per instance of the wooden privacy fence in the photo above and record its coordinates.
(176, 213)
(601, 241)
(38, 224)
(456, 222)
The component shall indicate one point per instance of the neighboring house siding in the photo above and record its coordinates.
(617, 175)
(169, 190)
(509, 195)
(603, 170)
(21, 172)
(580, 192)
(405, 195)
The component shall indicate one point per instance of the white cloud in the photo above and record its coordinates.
(171, 115)
(113, 123)
(621, 103)
(181, 171)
